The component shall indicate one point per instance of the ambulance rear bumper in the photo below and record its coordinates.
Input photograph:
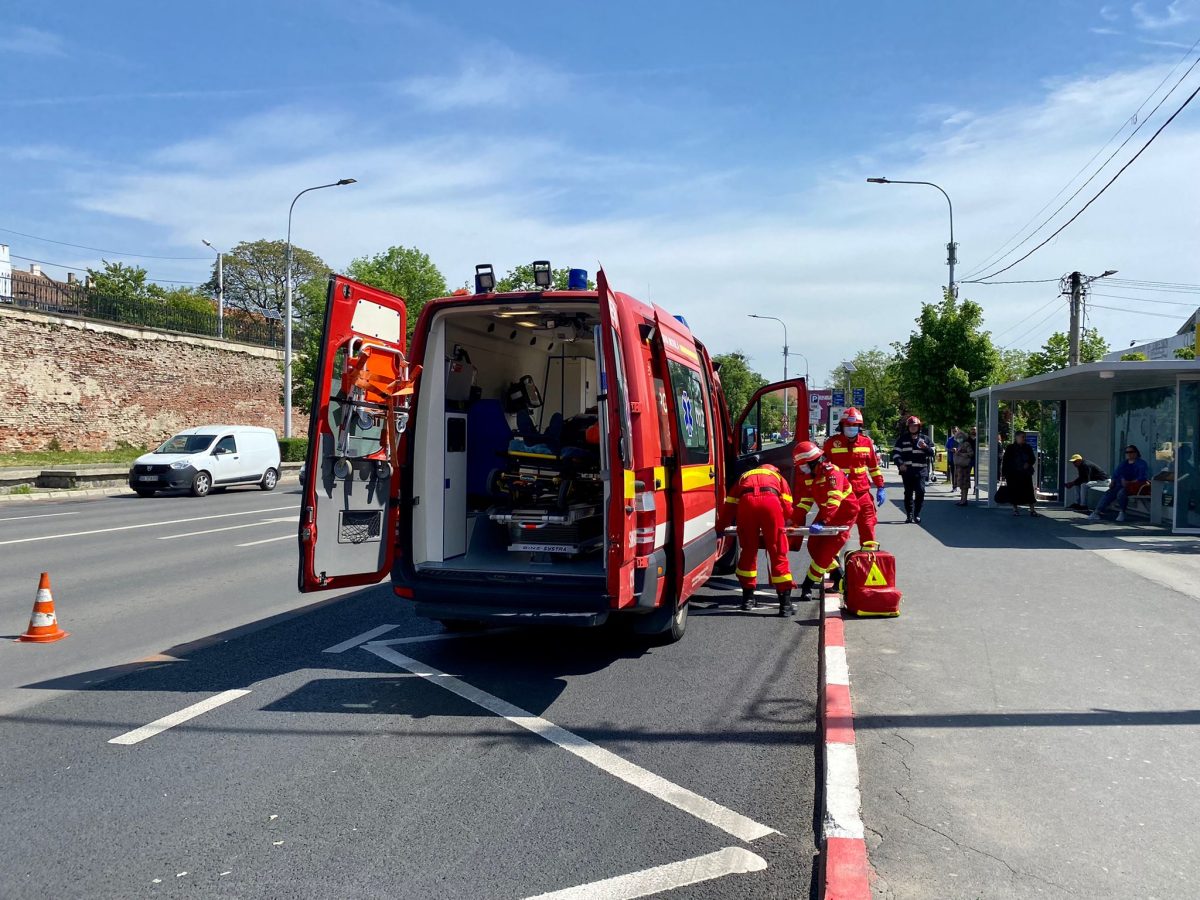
(511, 615)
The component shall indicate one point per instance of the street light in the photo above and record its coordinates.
(220, 288)
(287, 318)
(951, 248)
(785, 358)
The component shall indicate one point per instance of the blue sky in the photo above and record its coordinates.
(712, 156)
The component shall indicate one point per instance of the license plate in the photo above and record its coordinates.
(147, 478)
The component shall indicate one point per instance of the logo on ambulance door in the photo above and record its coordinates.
(685, 403)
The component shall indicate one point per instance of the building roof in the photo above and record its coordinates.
(1094, 380)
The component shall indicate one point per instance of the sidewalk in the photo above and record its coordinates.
(1029, 726)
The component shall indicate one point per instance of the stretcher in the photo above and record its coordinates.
(799, 530)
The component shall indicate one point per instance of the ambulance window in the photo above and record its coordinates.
(690, 411)
(664, 423)
(626, 444)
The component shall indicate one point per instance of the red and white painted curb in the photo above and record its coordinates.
(845, 871)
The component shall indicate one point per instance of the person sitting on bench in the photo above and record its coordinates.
(1087, 473)
(1128, 481)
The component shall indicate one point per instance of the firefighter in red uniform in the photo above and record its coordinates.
(854, 453)
(762, 505)
(822, 484)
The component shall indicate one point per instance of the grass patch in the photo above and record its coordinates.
(35, 459)
(22, 489)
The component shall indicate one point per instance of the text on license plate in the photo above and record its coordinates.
(147, 478)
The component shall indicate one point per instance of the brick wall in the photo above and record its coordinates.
(92, 384)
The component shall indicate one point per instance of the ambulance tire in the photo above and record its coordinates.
(727, 561)
(663, 626)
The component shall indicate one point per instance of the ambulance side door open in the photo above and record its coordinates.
(361, 404)
(773, 422)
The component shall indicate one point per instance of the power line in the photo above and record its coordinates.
(1111, 181)
(1021, 339)
(1140, 312)
(999, 254)
(34, 237)
(43, 262)
(1155, 287)
(1027, 281)
(1192, 305)
(1022, 321)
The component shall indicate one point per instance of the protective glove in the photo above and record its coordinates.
(880, 496)
(816, 528)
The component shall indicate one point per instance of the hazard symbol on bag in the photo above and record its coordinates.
(875, 577)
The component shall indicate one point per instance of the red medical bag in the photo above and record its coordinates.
(871, 583)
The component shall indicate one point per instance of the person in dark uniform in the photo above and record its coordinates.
(1017, 466)
(912, 454)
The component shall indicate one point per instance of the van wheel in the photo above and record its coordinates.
(269, 480)
(663, 626)
(201, 484)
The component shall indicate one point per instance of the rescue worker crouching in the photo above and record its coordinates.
(854, 453)
(762, 504)
(821, 484)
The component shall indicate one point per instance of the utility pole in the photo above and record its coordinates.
(1076, 300)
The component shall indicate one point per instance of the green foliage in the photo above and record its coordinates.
(521, 279)
(945, 360)
(256, 275)
(1056, 352)
(310, 302)
(54, 446)
(876, 372)
(1134, 357)
(293, 449)
(1185, 352)
(738, 380)
(27, 459)
(1012, 365)
(405, 272)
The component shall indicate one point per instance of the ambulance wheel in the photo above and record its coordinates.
(663, 626)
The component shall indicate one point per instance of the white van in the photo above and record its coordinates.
(207, 458)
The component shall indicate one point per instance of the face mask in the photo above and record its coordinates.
(851, 431)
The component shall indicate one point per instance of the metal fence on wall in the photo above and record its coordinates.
(73, 299)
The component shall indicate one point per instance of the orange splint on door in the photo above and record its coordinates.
(374, 383)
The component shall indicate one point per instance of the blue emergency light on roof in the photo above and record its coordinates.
(684, 321)
(485, 279)
(577, 280)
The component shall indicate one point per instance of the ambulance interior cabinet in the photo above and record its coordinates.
(454, 476)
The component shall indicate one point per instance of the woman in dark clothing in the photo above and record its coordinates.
(1017, 466)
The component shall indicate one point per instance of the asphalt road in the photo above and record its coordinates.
(509, 764)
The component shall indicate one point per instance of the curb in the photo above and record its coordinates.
(845, 871)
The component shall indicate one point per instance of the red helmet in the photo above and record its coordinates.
(770, 468)
(806, 452)
(911, 420)
(852, 417)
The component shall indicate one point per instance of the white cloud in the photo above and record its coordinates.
(492, 76)
(1106, 31)
(31, 41)
(1178, 12)
(1109, 14)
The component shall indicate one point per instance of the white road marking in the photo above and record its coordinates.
(38, 516)
(361, 639)
(171, 537)
(176, 718)
(842, 797)
(190, 519)
(730, 861)
(837, 670)
(702, 808)
(282, 537)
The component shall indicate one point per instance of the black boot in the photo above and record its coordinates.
(748, 601)
(785, 604)
(806, 589)
(835, 576)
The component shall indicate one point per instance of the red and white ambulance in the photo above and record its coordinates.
(552, 456)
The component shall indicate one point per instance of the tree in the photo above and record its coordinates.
(875, 373)
(738, 380)
(256, 275)
(1056, 352)
(1012, 365)
(117, 282)
(1134, 357)
(310, 303)
(521, 279)
(944, 361)
(405, 272)
(1185, 352)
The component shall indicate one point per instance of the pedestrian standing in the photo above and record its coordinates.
(1017, 465)
(913, 454)
(961, 463)
(854, 453)
(951, 443)
(762, 505)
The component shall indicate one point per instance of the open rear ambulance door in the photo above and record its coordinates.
(773, 422)
(616, 452)
(361, 396)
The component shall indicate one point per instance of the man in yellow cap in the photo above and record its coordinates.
(1086, 474)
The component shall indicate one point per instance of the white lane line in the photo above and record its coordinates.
(702, 808)
(171, 537)
(189, 520)
(190, 712)
(38, 516)
(730, 861)
(361, 639)
(282, 537)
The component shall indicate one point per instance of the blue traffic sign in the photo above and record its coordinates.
(839, 398)
(859, 396)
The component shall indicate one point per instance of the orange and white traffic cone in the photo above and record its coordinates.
(43, 624)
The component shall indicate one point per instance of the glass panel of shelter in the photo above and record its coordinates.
(1187, 480)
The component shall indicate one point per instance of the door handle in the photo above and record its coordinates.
(712, 473)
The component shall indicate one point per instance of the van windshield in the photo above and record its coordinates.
(187, 443)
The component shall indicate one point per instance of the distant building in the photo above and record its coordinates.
(5, 275)
(1164, 348)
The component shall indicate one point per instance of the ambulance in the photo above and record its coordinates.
(547, 456)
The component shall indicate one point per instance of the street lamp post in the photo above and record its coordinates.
(785, 359)
(220, 288)
(287, 318)
(951, 248)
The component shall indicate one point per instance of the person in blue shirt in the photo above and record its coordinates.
(1128, 479)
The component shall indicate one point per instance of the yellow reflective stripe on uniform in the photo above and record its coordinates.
(840, 450)
(875, 473)
(758, 472)
(862, 449)
(781, 579)
(731, 499)
(857, 469)
(787, 497)
(805, 504)
(742, 573)
(870, 545)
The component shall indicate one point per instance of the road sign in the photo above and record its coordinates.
(835, 416)
(859, 395)
(839, 398)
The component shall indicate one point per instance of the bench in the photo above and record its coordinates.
(1139, 504)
